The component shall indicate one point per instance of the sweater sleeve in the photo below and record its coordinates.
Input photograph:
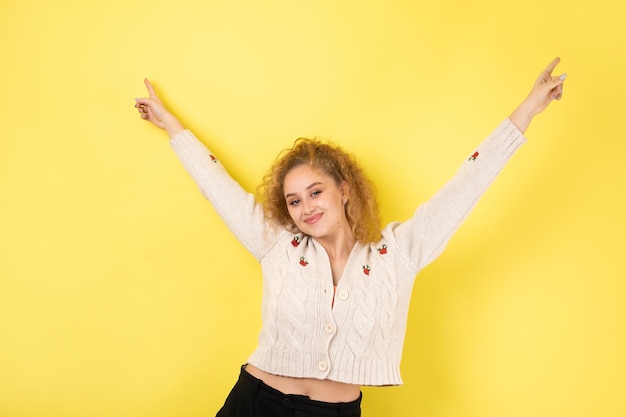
(424, 236)
(237, 208)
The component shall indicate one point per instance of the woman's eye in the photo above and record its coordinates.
(314, 193)
(294, 202)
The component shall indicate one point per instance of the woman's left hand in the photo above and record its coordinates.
(546, 89)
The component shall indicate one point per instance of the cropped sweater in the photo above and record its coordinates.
(359, 339)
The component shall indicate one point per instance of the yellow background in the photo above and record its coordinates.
(121, 292)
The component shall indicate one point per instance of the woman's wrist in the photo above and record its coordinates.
(522, 116)
(173, 127)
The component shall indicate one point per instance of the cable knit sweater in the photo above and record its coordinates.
(358, 340)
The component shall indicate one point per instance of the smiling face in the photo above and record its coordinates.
(316, 202)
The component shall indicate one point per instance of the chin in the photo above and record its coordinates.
(312, 232)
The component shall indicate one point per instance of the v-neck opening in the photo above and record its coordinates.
(348, 262)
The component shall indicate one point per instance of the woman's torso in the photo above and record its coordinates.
(316, 389)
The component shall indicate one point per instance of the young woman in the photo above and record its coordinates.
(336, 285)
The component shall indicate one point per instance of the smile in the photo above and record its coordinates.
(313, 219)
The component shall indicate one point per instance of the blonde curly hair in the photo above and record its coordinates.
(362, 207)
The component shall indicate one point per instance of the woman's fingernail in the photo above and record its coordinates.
(562, 77)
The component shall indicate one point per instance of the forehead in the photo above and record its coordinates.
(303, 176)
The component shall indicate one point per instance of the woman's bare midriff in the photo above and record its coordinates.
(316, 389)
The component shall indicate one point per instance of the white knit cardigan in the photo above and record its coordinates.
(358, 340)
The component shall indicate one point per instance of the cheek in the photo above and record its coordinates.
(292, 213)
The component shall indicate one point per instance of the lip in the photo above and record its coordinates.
(313, 219)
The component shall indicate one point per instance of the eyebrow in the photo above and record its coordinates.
(307, 188)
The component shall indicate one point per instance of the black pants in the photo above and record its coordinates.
(251, 397)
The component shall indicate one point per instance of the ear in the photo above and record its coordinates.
(345, 191)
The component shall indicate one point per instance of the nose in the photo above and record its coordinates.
(308, 208)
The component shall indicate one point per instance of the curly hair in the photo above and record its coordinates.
(362, 206)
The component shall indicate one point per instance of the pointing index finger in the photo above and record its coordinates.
(552, 65)
(151, 92)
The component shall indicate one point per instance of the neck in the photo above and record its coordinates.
(339, 245)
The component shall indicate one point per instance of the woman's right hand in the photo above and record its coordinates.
(152, 110)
